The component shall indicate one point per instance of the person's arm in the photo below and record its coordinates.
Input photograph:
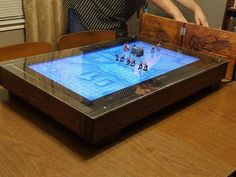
(200, 18)
(169, 7)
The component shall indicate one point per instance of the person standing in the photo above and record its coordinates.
(113, 15)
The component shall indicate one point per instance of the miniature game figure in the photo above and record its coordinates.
(145, 68)
(140, 52)
(126, 47)
(134, 49)
(158, 45)
(117, 57)
(128, 60)
(140, 66)
(122, 59)
(132, 63)
(153, 49)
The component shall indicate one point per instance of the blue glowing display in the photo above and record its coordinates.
(98, 73)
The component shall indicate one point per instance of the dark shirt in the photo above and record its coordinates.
(104, 14)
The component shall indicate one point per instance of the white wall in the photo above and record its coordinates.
(214, 11)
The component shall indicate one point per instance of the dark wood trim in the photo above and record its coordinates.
(95, 130)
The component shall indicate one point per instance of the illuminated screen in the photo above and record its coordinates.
(100, 73)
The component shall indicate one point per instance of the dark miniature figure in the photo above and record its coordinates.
(145, 68)
(122, 59)
(153, 49)
(140, 52)
(117, 57)
(140, 66)
(128, 60)
(132, 63)
(134, 50)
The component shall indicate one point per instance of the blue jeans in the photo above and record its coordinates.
(74, 23)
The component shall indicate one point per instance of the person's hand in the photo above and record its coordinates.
(200, 18)
(180, 18)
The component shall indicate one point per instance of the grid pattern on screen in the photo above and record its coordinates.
(96, 74)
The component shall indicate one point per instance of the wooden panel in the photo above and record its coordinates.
(52, 106)
(84, 38)
(159, 29)
(212, 42)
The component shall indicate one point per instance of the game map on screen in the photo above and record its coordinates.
(102, 72)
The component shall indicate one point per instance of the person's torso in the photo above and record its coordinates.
(105, 14)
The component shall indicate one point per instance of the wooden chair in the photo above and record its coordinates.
(24, 50)
(85, 38)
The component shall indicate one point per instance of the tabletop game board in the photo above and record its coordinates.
(99, 73)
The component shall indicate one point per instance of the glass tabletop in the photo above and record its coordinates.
(100, 78)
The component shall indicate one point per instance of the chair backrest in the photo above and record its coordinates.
(84, 38)
(24, 50)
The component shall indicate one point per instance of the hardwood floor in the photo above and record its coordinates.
(195, 137)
